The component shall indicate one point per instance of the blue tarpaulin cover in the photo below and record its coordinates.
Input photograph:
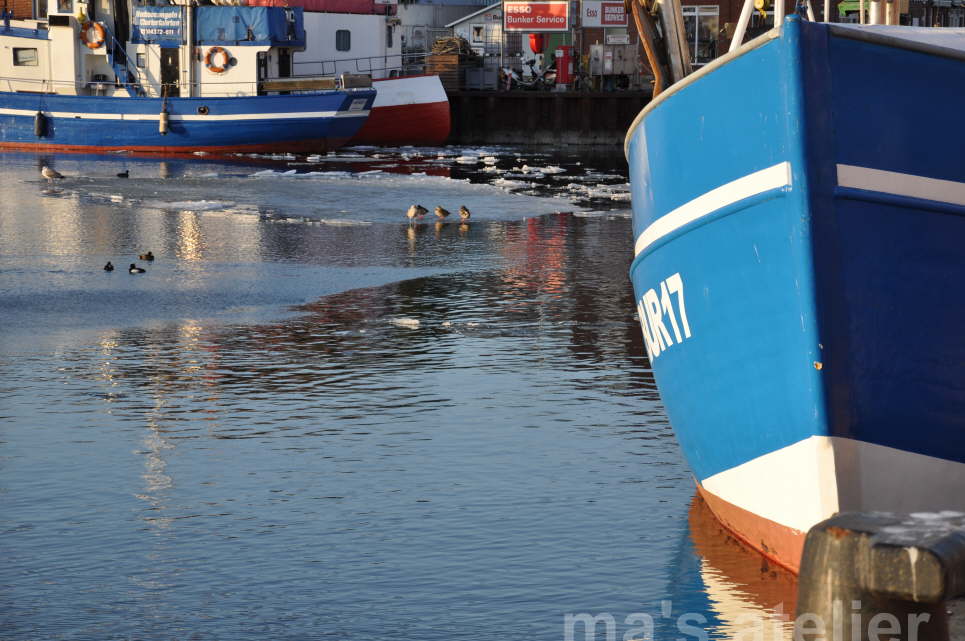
(220, 25)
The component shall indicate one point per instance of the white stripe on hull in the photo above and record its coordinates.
(804, 483)
(878, 180)
(190, 117)
(411, 90)
(758, 182)
(898, 184)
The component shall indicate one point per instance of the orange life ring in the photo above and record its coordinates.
(99, 32)
(209, 59)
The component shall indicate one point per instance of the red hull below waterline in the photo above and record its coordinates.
(778, 543)
(416, 124)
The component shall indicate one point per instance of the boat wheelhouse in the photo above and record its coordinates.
(172, 78)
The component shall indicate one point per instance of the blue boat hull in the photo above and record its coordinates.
(299, 122)
(798, 244)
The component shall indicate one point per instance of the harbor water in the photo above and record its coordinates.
(312, 419)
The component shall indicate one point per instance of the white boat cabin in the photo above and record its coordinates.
(114, 47)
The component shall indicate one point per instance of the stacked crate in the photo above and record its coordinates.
(446, 66)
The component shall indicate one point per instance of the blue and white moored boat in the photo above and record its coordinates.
(799, 224)
(172, 78)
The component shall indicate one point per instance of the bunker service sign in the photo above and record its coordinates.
(550, 15)
(603, 14)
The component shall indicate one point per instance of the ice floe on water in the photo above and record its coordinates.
(495, 183)
(407, 323)
(188, 205)
(607, 213)
(619, 192)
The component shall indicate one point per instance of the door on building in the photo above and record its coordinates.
(170, 71)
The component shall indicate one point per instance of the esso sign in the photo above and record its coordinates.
(537, 16)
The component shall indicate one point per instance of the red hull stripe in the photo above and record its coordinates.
(319, 145)
(779, 543)
(417, 124)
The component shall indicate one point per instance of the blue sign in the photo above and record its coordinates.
(158, 25)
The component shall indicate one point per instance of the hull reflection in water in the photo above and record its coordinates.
(752, 598)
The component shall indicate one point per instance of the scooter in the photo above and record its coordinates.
(545, 79)
(511, 79)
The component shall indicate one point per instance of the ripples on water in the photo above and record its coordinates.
(423, 433)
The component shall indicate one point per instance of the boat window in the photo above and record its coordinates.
(141, 62)
(702, 24)
(24, 57)
(388, 36)
(65, 6)
(343, 40)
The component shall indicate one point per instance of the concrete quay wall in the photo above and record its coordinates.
(543, 118)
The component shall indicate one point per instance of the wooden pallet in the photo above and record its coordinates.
(447, 67)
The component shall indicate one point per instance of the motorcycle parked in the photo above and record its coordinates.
(511, 79)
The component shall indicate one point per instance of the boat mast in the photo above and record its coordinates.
(668, 54)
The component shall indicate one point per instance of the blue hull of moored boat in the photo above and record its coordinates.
(298, 122)
(798, 242)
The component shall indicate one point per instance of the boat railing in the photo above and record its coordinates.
(207, 89)
(386, 66)
(120, 62)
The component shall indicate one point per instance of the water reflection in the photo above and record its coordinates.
(467, 452)
(751, 598)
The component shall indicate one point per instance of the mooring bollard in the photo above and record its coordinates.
(878, 576)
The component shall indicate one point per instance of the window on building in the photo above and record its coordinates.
(388, 36)
(25, 57)
(703, 27)
(141, 62)
(478, 32)
(65, 6)
(343, 40)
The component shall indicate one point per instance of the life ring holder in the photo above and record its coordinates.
(99, 37)
(209, 59)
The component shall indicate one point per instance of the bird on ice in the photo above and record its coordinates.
(416, 211)
(464, 213)
(442, 213)
(134, 269)
(50, 174)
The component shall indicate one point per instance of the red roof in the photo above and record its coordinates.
(330, 6)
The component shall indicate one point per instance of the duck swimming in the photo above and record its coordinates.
(124, 174)
(442, 213)
(108, 267)
(147, 256)
(134, 269)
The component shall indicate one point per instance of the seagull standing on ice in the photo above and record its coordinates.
(50, 174)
